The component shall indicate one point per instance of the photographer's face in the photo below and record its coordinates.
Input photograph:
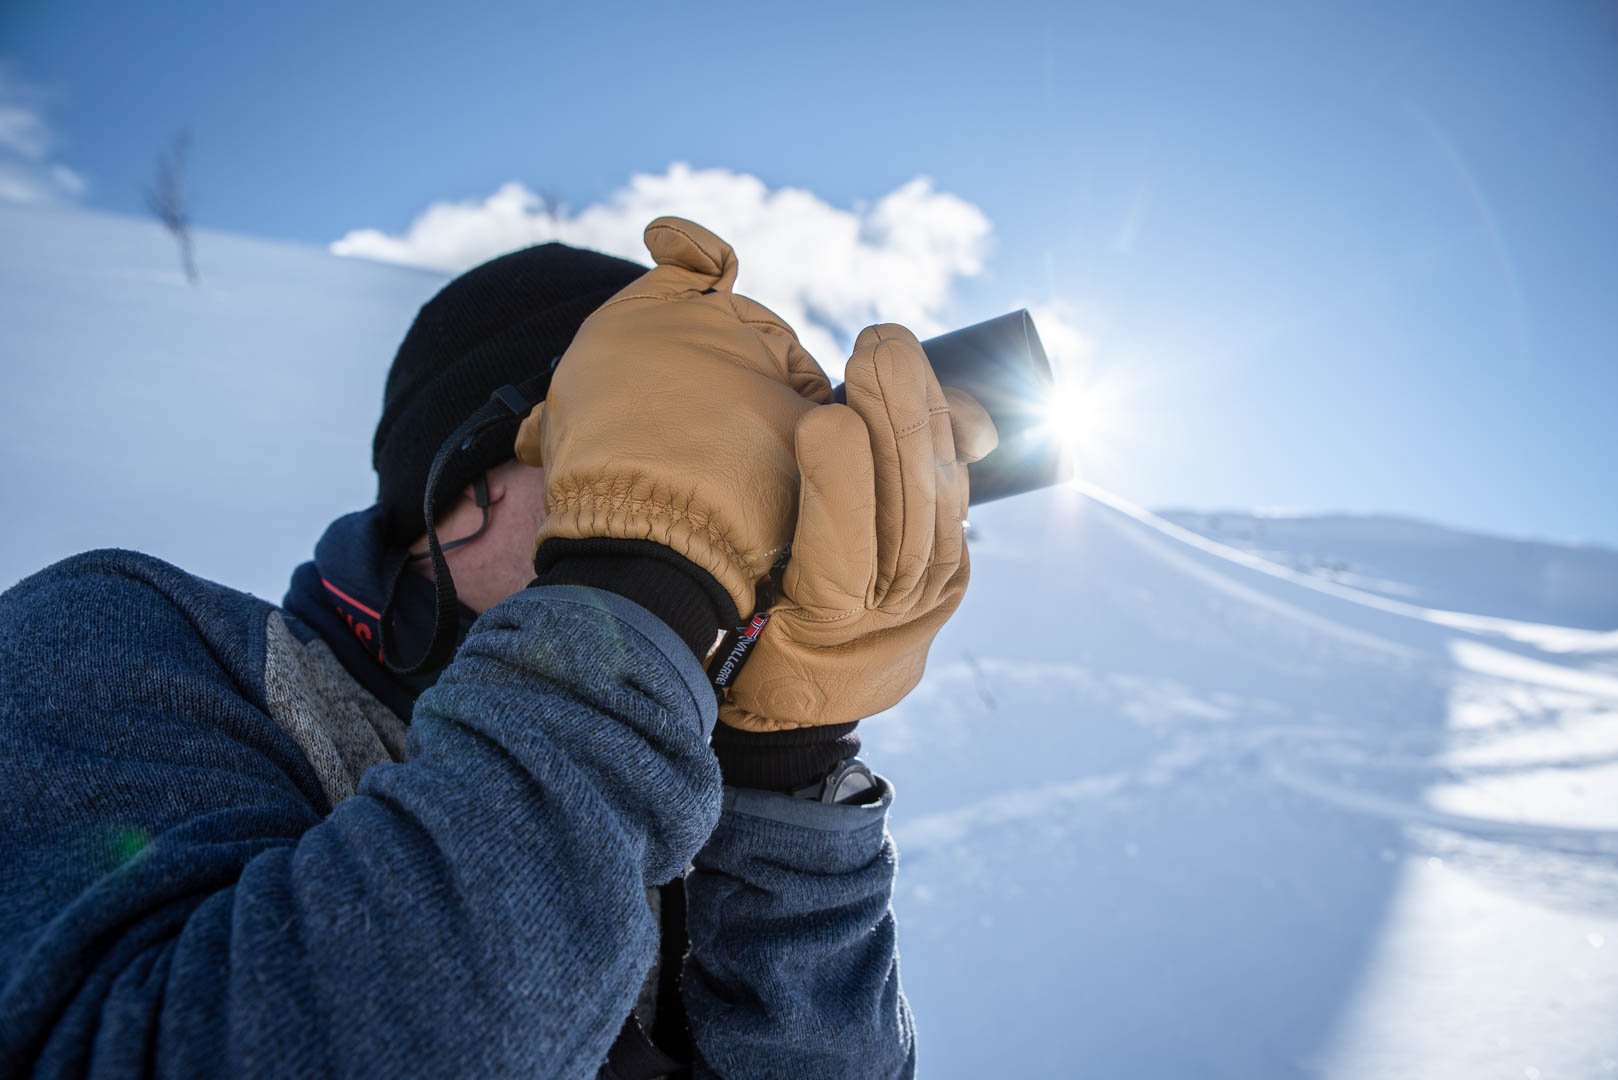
(500, 561)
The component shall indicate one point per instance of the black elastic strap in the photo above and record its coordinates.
(633, 1056)
(496, 413)
(671, 1030)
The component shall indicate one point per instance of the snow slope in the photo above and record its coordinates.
(1170, 810)
(1430, 565)
(220, 427)
(1166, 808)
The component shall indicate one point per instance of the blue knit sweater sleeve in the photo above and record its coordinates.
(176, 898)
(793, 969)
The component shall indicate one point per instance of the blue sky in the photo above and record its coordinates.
(1335, 256)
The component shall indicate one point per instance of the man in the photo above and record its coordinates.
(446, 822)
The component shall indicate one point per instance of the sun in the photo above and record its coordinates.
(1083, 417)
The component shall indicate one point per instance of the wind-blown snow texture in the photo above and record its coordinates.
(1166, 808)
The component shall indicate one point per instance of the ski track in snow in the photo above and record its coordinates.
(1505, 780)
(1285, 748)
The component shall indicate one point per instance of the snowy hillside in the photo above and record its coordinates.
(1430, 565)
(1170, 810)
(1166, 809)
(220, 427)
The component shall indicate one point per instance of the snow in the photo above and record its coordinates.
(1180, 811)
(1430, 565)
(198, 424)
(1183, 795)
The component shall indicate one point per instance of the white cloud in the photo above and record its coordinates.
(27, 173)
(827, 270)
(22, 131)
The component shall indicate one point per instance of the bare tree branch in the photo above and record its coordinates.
(168, 201)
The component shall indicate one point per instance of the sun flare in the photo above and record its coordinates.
(1083, 418)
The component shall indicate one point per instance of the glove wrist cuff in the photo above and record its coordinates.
(782, 760)
(670, 586)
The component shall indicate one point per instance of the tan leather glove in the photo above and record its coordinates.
(671, 417)
(879, 559)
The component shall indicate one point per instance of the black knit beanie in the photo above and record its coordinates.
(498, 323)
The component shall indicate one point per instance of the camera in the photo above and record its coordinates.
(1003, 365)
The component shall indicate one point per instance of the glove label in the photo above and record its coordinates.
(732, 654)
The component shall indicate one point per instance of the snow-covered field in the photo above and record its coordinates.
(1339, 799)
(1170, 810)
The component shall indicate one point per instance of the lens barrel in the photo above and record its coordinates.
(1002, 363)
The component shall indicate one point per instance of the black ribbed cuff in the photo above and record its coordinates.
(675, 589)
(782, 760)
